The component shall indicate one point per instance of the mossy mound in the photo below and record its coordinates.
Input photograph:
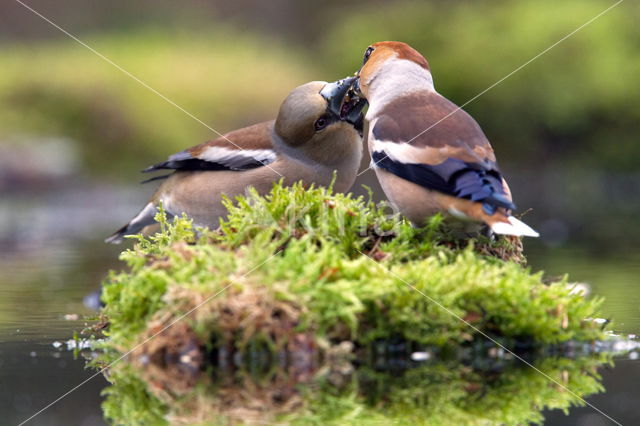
(280, 314)
(306, 261)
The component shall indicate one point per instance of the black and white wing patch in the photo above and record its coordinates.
(216, 158)
(480, 181)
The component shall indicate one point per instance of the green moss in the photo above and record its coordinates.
(315, 250)
(304, 268)
(130, 402)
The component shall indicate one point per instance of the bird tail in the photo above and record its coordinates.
(143, 219)
(118, 236)
(513, 226)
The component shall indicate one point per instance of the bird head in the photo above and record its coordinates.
(380, 54)
(319, 111)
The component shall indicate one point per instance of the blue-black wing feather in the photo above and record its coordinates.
(480, 182)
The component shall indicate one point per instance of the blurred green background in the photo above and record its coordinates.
(564, 127)
(75, 131)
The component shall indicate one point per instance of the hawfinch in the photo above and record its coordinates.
(429, 155)
(317, 131)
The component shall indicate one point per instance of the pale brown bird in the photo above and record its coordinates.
(429, 155)
(317, 132)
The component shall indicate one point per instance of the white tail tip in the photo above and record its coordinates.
(514, 227)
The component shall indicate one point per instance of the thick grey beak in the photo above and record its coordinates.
(335, 92)
(343, 101)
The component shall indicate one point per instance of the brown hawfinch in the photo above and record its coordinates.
(317, 131)
(429, 155)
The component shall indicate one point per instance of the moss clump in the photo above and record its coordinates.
(341, 268)
(295, 276)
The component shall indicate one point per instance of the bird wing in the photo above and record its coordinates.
(428, 140)
(242, 149)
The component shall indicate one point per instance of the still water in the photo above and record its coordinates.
(47, 270)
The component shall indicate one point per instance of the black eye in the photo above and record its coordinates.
(320, 123)
(367, 54)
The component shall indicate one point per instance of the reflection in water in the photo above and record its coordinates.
(48, 264)
(180, 384)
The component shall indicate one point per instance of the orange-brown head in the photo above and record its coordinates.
(378, 54)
